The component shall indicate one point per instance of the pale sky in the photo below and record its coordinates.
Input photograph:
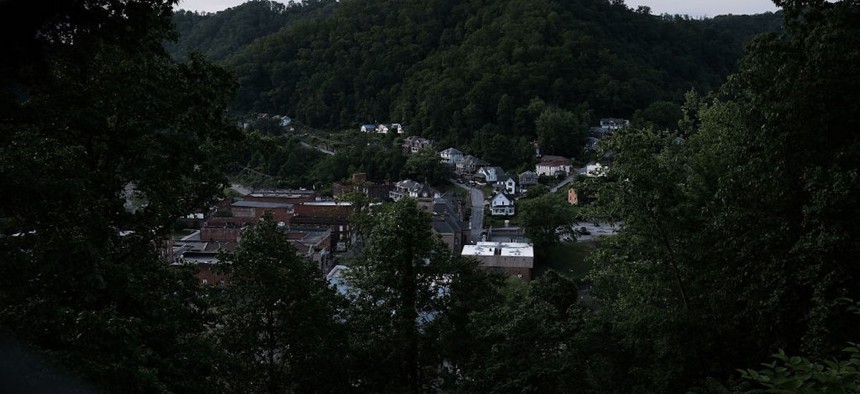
(694, 8)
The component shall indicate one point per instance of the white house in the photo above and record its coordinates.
(502, 205)
(451, 156)
(614, 123)
(368, 128)
(491, 174)
(510, 185)
(386, 128)
(410, 188)
(595, 169)
(553, 166)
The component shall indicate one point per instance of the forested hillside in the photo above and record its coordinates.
(456, 70)
(222, 34)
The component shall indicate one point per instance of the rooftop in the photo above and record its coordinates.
(260, 204)
(513, 249)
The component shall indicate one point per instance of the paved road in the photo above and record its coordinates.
(241, 189)
(326, 151)
(476, 221)
(567, 180)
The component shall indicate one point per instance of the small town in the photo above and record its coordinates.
(440, 196)
(319, 225)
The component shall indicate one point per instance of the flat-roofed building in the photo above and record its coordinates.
(248, 209)
(513, 258)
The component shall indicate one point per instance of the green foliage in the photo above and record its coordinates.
(103, 117)
(398, 284)
(561, 132)
(738, 233)
(522, 341)
(220, 35)
(661, 115)
(426, 166)
(279, 324)
(800, 375)
(451, 69)
(545, 218)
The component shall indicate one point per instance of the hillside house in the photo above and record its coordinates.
(451, 156)
(595, 169)
(553, 166)
(490, 174)
(410, 188)
(508, 184)
(469, 165)
(502, 205)
(389, 128)
(413, 144)
(528, 178)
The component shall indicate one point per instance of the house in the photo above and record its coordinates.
(469, 165)
(451, 156)
(508, 184)
(368, 128)
(413, 144)
(553, 166)
(491, 174)
(410, 188)
(514, 258)
(393, 128)
(502, 205)
(613, 123)
(448, 224)
(595, 169)
(572, 197)
(528, 178)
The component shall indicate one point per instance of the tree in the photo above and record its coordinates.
(94, 116)
(561, 132)
(398, 291)
(545, 218)
(426, 166)
(279, 323)
(736, 239)
(523, 339)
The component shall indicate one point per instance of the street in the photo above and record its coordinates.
(476, 221)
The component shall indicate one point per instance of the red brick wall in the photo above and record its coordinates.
(323, 211)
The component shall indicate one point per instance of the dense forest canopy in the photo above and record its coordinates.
(450, 69)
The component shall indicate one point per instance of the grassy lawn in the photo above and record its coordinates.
(498, 221)
(567, 259)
